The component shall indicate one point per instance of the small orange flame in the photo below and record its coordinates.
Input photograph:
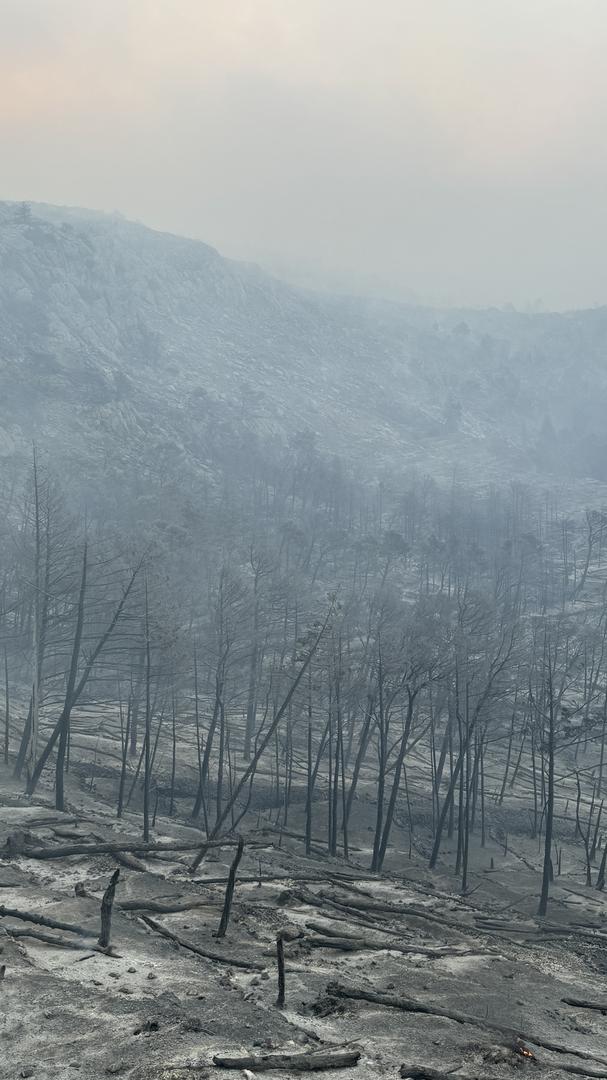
(524, 1051)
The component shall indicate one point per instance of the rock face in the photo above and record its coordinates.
(129, 353)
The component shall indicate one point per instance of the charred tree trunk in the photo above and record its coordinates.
(71, 684)
(148, 724)
(383, 846)
(125, 753)
(7, 725)
(229, 896)
(106, 911)
(547, 867)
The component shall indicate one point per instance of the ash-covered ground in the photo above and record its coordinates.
(155, 1008)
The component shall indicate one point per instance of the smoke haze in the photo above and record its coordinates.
(450, 151)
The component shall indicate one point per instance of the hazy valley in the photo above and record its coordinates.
(303, 626)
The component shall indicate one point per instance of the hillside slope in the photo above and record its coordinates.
(125, 351)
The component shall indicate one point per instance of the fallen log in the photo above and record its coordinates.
(357, 917)
(352, 943)
(354, 921)
(490, 927)
(362, 904)
(129, 861)
(539, 930)
(584, 1070)
(312, 900)
(508, 927)
(158, 907)
(346, 885)
(122, 857)
(50, 821)
(425, 1072)
(311, 1062)
(111, 848)
(44, 920)
(395, 1001)
(247, 965)
(402, 910)
(582, 1003)
(168, 908)
(330, 931)
(61, 943)
(347, 944)
(253, 879)
(67, 834)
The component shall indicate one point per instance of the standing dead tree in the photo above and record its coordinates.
(263, 743)
(585, 833)
(106, 911)
(555, 670)
(75, 685)
(229, 896)
(280, 964)
(491, 671)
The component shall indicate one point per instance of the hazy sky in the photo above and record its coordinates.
(454, 149)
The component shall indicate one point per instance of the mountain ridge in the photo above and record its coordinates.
(117, 339)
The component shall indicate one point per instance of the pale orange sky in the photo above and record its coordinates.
(452, 149)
